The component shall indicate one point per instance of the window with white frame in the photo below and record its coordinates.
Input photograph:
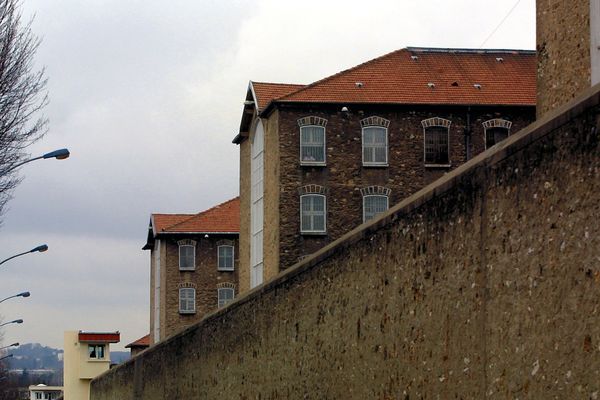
(436, 134)
(225, 258)
(225, 295)
(38, 396)
(187, 254)
(313, 211)
(496, 130)
(312, 140)
(375, 141)
(96, 351)
(312, 145)
(375, 201)
(374, 205)
(375, 149)
(187, 300)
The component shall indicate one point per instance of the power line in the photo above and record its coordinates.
(500, 24)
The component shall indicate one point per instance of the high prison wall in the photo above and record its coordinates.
(486, 284)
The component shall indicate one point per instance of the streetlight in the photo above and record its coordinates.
(16, 321)
(40, 248)
(8, 356)
(10, 345)
(23, 294)
(60, 154)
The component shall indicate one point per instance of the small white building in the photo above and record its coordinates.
(43, 392)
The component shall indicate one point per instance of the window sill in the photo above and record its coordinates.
(312, 164)
(313, 233)
(187, 269)
(438, 165)
(382, 165)
(225, 269)
(187, 312)
(98, 360)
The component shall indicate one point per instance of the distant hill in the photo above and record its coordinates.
(34, 356)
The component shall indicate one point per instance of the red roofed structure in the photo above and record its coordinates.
(317, 160)
(139, 345)
(193, 267)
(222, 218)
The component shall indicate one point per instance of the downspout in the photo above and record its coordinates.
(467, 133)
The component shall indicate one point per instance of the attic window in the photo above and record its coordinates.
(414, 58)
(454, 84)
(359, 84)
(431, 85)
(499, 59)
(477, 86)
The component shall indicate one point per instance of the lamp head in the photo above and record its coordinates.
(17, 321)
(58, 154)
(24, 294)
(41, 248)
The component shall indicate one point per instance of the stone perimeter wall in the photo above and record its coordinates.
(485, 284)
(563, 48)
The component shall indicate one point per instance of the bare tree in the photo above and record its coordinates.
(22, 95)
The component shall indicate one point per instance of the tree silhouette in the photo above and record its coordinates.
(22, 95)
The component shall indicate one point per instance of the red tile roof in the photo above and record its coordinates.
(266, 92)
(141, 342)
(428, 76)
(223, 218)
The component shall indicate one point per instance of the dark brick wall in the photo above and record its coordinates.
(344, 175)
(485, 285)
(206, 277)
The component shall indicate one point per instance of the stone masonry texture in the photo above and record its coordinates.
(344, 175)
(485, 284)
(204, 279)
(563, 47)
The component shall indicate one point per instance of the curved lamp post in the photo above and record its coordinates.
(8, 356)
(40, 248)
(16, 321)
(22, 294)
(10, 345)
(60, 154)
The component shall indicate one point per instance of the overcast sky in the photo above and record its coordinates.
(147, 96)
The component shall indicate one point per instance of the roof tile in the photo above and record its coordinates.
(459, 76)
(224, 218)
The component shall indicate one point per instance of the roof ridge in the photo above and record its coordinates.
(468, 50)
(182, 214)
(311, 85)
(200, 213)
(279, 83)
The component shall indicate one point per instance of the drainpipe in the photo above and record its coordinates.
(467, 132)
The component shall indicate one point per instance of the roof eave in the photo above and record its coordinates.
(166, 233)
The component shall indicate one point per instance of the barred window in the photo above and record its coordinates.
(374, 205)
(437, 145)
(312, 145)
(225, 258)
(187, 254)
(374, 140)
(312, 213)
(225, 296)
(495, 135)
(187, 301)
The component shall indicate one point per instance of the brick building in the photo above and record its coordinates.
(317, 160)
(568, 45)
(193, 266)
